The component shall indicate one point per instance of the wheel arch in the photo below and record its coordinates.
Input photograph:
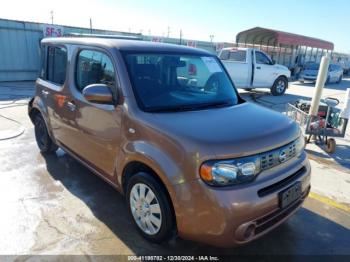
(134, 167)
(35, 107)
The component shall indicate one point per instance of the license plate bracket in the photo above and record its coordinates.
(290, 195)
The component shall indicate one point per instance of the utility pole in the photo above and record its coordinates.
(211, 38)
(90, 26)
(180, 36)
(51, 12)
(320, 82)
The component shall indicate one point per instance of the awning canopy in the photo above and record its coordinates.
(269, 37)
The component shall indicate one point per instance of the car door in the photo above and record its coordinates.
(52, 84)
(238, 67)
(264, 70)
(98, 125)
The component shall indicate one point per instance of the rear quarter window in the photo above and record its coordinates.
(238, 56)
(56, 64)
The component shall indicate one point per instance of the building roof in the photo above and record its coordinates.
(269, 37)
(126, 45)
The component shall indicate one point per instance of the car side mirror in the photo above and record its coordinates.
(273, 62)
(98, 93)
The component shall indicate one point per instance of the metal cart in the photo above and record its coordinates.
(323, 128)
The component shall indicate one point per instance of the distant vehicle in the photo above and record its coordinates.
(345, 65)
(310, 72)
(251, 68)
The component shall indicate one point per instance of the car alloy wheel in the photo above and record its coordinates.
(145, 209)
(281, 86)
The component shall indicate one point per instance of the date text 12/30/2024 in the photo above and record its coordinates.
(173, 258)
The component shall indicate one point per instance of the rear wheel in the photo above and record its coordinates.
(330, 145)
(340, 79)
(45, 144)
(280, 86)
(150, 208)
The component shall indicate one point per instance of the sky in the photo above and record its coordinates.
(324, 19)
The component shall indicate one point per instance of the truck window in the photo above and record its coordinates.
(94, 67)
(238, 55)
(261, 58)
(224, 54)
(56, 64)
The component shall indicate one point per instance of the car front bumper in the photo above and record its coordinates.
(232, 216)
(307, 78)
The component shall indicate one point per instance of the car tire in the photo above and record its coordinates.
(279, 86)
(340, 79)
(301, 82)
(43, 139)
(144, 192)
(328, 80)
(330, 145)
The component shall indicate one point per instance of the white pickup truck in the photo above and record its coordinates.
(251, 68)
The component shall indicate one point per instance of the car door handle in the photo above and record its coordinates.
(45, 93)
(258, 67)
(71, 105)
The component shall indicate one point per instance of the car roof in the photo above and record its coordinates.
(126, 45)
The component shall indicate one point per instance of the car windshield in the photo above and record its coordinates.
(312, 67)
(179, 82)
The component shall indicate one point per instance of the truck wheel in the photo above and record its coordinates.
(150, 208)
(279, 87)
(328, 80)
(340, 79)
(330, 146)
(45, 144)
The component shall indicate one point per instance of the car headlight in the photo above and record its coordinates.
(223, 173)
(245, 169)
(300, 144)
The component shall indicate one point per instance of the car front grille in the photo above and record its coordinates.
(277, 156)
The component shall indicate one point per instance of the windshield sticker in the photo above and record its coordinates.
(211, 64)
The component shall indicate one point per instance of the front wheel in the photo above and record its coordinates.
(150, 208)
(279, 87)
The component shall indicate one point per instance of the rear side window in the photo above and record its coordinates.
(56, 64)
(238, 55)
(94, 67)
(224, 54)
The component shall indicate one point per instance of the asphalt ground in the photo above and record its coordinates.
(53, 205)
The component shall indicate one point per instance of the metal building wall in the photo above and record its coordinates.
(19, 50)
(20, 47)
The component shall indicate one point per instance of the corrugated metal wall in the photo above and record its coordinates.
(19, 50)
(20, 47)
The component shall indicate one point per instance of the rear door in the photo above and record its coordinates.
(238, 67)
(264, 70)
(98, 125)
(52, 87)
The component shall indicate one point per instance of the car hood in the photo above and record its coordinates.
(235, 131)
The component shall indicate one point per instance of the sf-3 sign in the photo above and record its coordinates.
(52, 31)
